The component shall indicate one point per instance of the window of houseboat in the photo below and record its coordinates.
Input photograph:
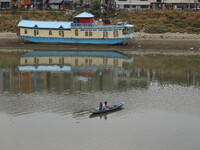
(86, 33)
(37, 61)
(25, 31)
(115, 33)
(61, 33)
(128, 30)
(105, 34)
(37, 32)
(76, 32)
(50, 32)
(90, 33)
(123, 31)
(26, 61)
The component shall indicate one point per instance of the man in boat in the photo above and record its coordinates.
(105, 107)
(100, 106)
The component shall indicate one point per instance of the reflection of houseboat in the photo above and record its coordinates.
(63, 61)
(81, 30)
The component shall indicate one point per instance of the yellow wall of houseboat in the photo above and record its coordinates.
(96, 33)
(70, 61)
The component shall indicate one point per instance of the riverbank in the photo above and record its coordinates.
(141, 43)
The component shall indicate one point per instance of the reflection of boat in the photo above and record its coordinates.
(83, 79)
(83, 29)
(83, 63)
(104, 115)
(114, 107)
(43, 68)
(74, 71)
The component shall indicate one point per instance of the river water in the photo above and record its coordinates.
(48, 109)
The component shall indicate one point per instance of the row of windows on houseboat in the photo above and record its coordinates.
(61, 33)
(87, 61)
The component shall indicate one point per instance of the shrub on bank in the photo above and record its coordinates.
(154, 29)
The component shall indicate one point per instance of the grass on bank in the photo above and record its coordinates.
(148, 21)
(164, 21)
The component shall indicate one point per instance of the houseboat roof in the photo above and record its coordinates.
(74, 54)
(85, 15)
(129, 25)
(45, 24)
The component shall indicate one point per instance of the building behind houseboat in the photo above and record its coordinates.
(83, 29)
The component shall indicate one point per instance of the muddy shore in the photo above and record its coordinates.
(141, 43)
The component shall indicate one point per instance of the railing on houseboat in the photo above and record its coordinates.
(93, 25)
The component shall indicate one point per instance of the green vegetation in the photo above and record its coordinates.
(167, 63)
(153, 28)
(9, 59)
(151, 22)
(95, 8)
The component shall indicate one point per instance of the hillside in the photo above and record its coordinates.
(150, 22)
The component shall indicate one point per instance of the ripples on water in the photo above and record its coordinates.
(152, 118)
(172, 98)
(48, 111)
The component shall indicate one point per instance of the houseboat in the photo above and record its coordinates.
(83, 29)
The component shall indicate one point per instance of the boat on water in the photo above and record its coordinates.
(83, 29)
(114, 107)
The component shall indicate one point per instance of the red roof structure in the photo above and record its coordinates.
(84, 18)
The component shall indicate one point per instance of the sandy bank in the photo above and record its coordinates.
(7, 35)
(166, 36)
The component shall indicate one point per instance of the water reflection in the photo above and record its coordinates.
(86, 71)
(104, 115)
(48, 106)
(67, 71)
